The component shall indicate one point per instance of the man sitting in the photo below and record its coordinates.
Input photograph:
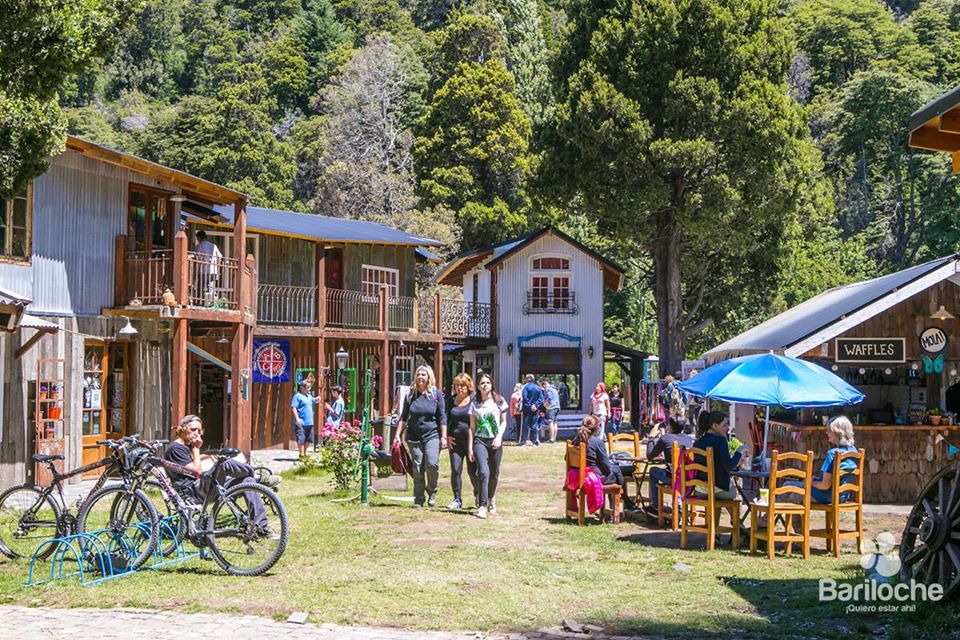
(185, 451)
(661, 444)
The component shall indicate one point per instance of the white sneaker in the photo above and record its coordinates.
(456, 504)
(482, 512)
(492, 508)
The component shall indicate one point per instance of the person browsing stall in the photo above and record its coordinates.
(423, 429)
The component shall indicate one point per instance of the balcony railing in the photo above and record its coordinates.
(213, 282)
(461, 320)
(279, 304)
(551, 303)
(401, 313)
(148, 273)
(352, 310)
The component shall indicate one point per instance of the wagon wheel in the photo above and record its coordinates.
(930, 547)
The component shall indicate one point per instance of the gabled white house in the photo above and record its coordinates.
(545, 291)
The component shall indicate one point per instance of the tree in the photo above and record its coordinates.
(43, 42)
(470, 38)
(150, 53)
(365, 169)
(321, 36)
(675, 130)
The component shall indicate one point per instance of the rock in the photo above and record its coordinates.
(681, 567)
(572, 625)
(592, 628)
(298, 617)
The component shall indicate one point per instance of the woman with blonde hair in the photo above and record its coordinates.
(423, 429)
(458, 438)
(840, 437)
(516, 408)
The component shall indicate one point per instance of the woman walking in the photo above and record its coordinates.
(600, 406)
(616, 409)
(516, 409)
(458, 438)
(423, 429)
(488, 421)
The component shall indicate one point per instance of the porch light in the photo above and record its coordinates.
(510, 349)
(590, 351)
(222, 338)
(341, 357)
(127, 331)
(942, 314)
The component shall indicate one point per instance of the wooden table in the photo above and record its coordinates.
(644, 472)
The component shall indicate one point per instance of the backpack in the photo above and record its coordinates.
(676, 403)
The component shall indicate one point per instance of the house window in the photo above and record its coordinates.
(375, 278)
(402, 371)
(550, 285)
(16, 217)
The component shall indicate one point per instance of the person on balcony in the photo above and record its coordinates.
(423, 429)
(210, 258)
(532, 398)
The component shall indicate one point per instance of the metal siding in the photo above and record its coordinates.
(79, 207)
(513, 282)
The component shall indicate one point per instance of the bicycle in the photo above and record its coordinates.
(224, 521)
(30, 515)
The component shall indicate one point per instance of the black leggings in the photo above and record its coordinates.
(488, 469)
(458, 453)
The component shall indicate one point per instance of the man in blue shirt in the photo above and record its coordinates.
(551, 399)
(302, 407)
(532, 400)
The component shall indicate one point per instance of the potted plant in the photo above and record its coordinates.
(933, 415)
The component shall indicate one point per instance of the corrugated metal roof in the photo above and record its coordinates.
(325, 228)
(15, 299)
(428, 255)
(810, 316)
(33, 322)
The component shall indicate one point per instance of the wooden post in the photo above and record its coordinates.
(321, 387)
(249, 299)
(181, 272)
(120, 271)
(636, 373)
(321, 286)
(438, 364)
(436, 313)
(384, 313)
(240, 428)
(240, 249)
(385, 378)
(180, 364)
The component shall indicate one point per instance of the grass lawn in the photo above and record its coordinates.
(522, 569)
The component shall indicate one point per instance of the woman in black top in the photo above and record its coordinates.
(616, 409)
(458, 435)
(423, 429)
(597, 458)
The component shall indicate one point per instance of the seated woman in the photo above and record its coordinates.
(597, 458)
(723, 461)
(661, 444)
(840, 437)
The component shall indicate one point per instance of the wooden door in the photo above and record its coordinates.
(117, 389)
(212, 403)
(150, 225)
(333, 268)
(93, 421)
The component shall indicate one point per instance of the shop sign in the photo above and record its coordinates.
(871, 350)
(933, 340)
(271, 361)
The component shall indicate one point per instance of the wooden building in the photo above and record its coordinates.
(544, 293)
(896, 338)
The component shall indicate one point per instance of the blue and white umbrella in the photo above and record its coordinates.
(768, 379)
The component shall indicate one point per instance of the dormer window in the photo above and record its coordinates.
(550, 286)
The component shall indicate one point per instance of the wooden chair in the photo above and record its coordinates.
(777, 506)
(663, 491)
(576, 458)
(630, 443)
(850, 482)
(711, 505)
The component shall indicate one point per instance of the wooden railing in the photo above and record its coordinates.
(145, 276)
(401, 313)
(286, 305)
(352, 310)
(213, 282)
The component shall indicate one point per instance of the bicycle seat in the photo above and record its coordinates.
(42, 457)
(226, 452)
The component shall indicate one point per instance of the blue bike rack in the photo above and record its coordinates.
(94, 557)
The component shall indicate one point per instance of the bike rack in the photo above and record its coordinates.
(93, 556)
(85, 555)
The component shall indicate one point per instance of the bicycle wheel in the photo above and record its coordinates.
(238, 543)
(127, 520)
(27, 519)
(171, 528)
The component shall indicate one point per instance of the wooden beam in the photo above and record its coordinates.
(287, 332)
(950, 121)
(209, 357)
(179, 373)
(934, 140)
(120, 270)
(32, 340)
(377, 336)
(384, 407)
(231, 316)
(955, 162)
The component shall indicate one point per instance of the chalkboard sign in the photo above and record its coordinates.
(871, 350)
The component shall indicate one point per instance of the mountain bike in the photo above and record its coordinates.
(224, 521)
(31, 515)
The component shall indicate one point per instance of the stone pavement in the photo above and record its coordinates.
(31, 623)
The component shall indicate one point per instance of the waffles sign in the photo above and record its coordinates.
(871, 350)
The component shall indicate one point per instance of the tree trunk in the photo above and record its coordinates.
(667, 293)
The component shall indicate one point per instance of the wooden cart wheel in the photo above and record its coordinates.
(930, 547)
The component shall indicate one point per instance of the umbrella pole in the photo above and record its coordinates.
(766, 433)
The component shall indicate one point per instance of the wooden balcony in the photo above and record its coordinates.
(199, 283)
(286, 305)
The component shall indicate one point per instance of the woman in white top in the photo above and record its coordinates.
(488, 422)
(600, 405)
